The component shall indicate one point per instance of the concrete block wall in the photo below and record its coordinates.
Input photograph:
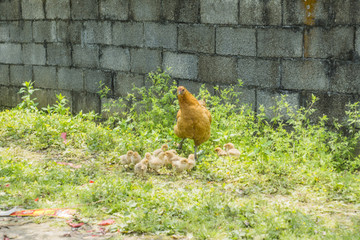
(275, 47)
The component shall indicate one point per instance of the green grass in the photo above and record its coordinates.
(296, 178)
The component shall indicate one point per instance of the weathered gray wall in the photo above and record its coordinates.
(297, 47)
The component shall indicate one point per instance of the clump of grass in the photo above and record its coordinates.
(289, 167)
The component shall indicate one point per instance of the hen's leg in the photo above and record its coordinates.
(195, 153)
(181, 143)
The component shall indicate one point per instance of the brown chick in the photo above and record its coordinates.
(193, 119)
(220, 152)
(141, 167)
(231, 150)
(191, 161)
(135, 158)
(163, 148)
(180, 165)
(126, 158)
(170, 157)
(157, 162)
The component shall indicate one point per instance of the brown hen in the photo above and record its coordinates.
(193, 119)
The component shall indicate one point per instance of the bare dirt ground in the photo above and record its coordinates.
(55, 229)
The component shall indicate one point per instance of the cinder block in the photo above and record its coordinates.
(302, 12)
(57, 9)
(97, 32)
(198, 38)
(9, 96)
(86, 56)
(219, 12)
(21, 31)
(69, 31)
(4, 74)
(357, 42)
(32, 9)
(4, 32)
(270, 99)
(181, 11)
(59, 54)
(124, 83)
(114, 9)
(194, 87)
(45, 97)
(44, 31)
(278, 42)
(10, 53)
(20, 74)
(128, 34)
(324, 43)
(259, 12)
(182, 65)
(248, 97)
(92, 79)
(217, 69)
(259, 72)
(145, 10)
(305, 75)
(346, 78)
(236, 41)
(34, 54)
(45, 77)
(331, 104)
(70, 79)
(115, 58)
(10, 10)
(145, 60)
(160, 35)
(346, 12)
(85, 102)
(80, 10)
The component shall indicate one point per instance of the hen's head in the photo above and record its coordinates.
(181, 90)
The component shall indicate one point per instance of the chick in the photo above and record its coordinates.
(163, 148)
(220, 152)
(180, 165)
(170, 157)
(231, 150)
(126, 158)
(191, 161)
(141, 167)
(135, 158)
(157, 162)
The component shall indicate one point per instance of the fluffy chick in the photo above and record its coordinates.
(126, 158)
(157, 162)
(135, 158)
(170, 157)
(191, 161)
(231, 150)
(220, 152)
(163, 148)
(180, 165)
(141, 167)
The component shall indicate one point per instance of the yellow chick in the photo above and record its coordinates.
(220, 152)
(231, 150)
(163, 148)
(135, 158)
(191, 161)
(126, 158)
(170, 157)
(141, 167)
(180, 165)
(157, 162)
